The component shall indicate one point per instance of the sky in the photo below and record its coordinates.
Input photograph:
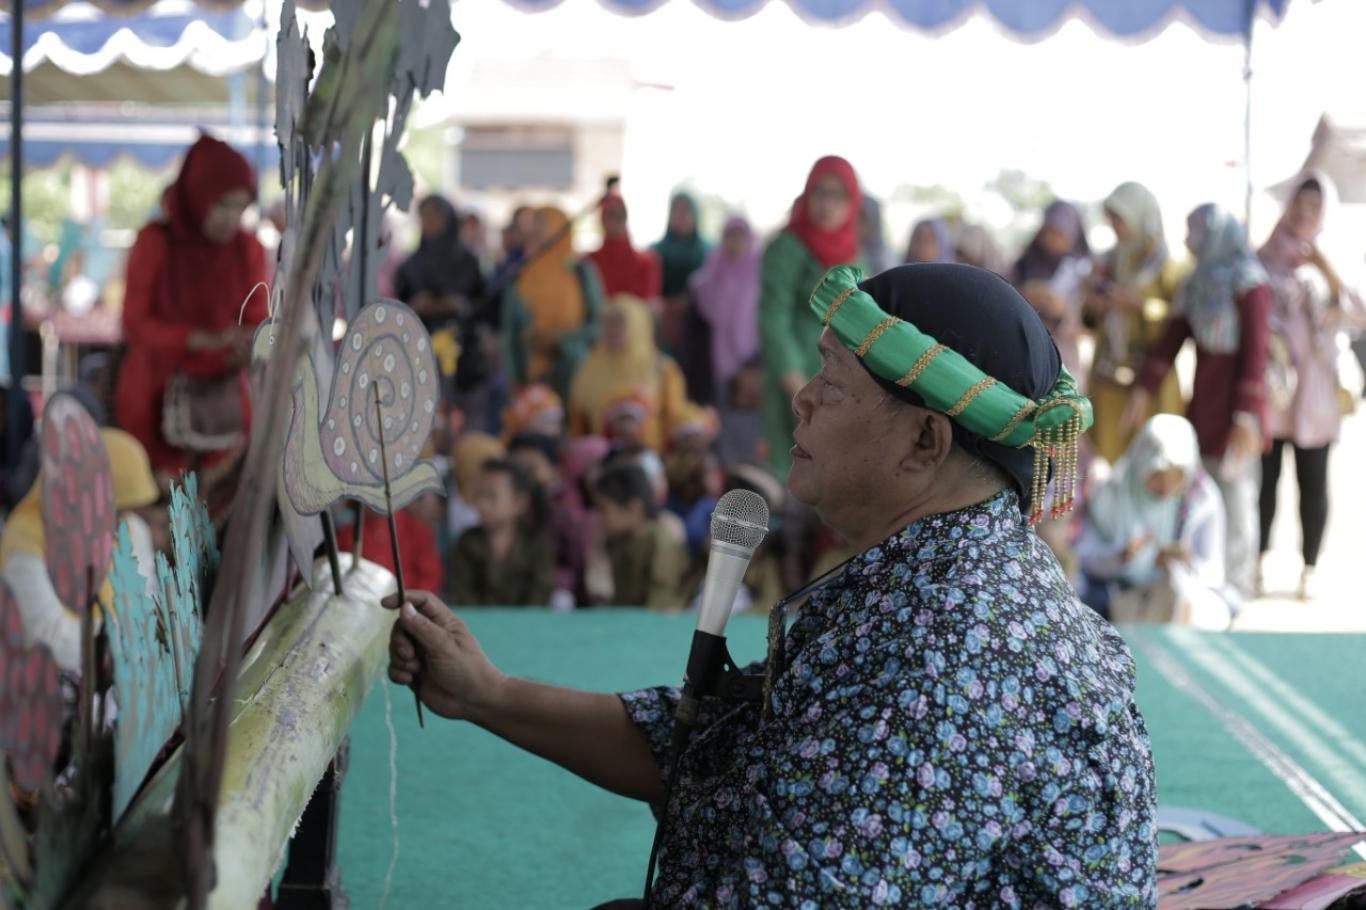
(740, 109)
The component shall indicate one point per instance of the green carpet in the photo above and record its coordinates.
(482, 825)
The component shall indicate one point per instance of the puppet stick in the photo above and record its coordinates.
(393, 529)
(86, 727)
(358, 550)
(333, 557)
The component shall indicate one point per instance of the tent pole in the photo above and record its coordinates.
(262, 87)
(16, 230)
(1247, 114)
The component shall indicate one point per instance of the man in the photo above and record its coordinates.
(951, 727)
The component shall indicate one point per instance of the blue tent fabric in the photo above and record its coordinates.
(1025, 18)
(88, 36)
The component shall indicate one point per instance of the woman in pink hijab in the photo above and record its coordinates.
(727, 292)
(1312, 306)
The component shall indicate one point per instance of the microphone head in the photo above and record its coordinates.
(740, 519)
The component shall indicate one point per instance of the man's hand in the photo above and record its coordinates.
(433, 645)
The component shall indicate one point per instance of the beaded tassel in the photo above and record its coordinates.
(1058, 448)
(1040, 485)
(1065, 448)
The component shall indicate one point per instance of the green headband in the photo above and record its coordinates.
(947, 382)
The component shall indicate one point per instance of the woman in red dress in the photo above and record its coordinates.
(191, 306)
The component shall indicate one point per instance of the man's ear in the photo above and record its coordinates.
(931, 441)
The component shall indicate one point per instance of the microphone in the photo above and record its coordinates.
(738, 526)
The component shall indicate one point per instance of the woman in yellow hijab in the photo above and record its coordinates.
(550, 316)
(626, 357)
(23, 559)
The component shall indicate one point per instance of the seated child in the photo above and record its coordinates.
(505, 561)
(1152, 543)
(648, 562)
(571, 532)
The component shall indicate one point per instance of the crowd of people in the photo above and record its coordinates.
(597, 406)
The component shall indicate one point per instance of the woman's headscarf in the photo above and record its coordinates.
(942, 235)
(839, 246)
(976, 247)
(680, 255)
(624, 269)
(1035, 263)
(441, 264)
(1123, 508)
(1140, 259)
(582, 455)
(875, 255)
(606, 370)
(1285, 250)
(727, 294)
(130, 475)
(534, 405)
(203, 278)
(550, 285)
(1224, 269)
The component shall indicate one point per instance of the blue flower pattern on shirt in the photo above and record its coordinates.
(954, 729)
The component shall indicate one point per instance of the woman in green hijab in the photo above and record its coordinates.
(684, 334)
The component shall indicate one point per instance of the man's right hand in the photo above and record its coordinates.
(433, 645)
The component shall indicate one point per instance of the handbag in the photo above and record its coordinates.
(202, 414)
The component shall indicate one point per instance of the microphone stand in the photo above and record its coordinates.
(712, 672)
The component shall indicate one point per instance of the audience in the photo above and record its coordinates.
(1152, 541)
(648, 562)
(1223, 306)
(1311, 308)
(595, 480)
(506, 560)
(626, 370)
(550, 315)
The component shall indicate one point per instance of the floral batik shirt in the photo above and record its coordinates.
(953, 729)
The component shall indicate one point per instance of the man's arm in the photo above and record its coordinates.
(588, 733)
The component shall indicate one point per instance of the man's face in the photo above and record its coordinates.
(846, 450)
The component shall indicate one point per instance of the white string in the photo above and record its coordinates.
(242, 310)
(393, 792)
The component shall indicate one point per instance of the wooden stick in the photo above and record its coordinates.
(358, 549)
(333, 557)
(393, 533)
(86, 713)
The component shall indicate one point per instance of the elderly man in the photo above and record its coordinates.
(946, 725)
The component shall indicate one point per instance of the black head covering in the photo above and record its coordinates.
(978, 314)
(441, 264)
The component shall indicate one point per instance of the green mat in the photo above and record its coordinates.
(483, 825)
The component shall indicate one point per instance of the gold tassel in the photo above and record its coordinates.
(1040, 484)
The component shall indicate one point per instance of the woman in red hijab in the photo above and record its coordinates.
(624, 269)
(190, 308)
(822, 233)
